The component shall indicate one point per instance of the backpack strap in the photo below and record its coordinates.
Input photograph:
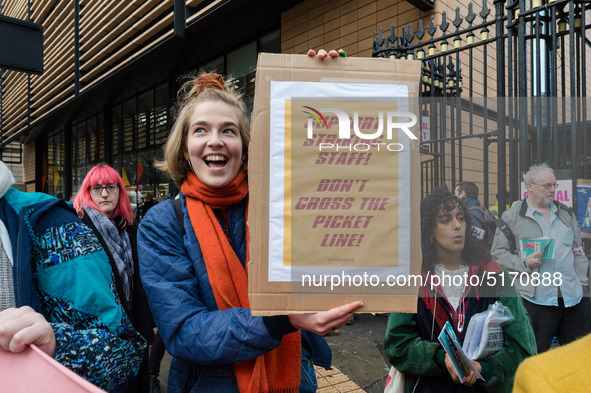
(178, 210)
(562, 206)
(504, 227)
(479, 208)
(488, 215)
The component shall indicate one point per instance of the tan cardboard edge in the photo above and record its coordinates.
(274, 298)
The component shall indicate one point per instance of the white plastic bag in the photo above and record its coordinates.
(484, 336)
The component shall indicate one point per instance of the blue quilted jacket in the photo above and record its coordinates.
(62, 272)
(194, 331)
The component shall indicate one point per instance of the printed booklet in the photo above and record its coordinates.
(450, 343)
(531, 246)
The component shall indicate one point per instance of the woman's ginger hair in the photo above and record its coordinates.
(103, 174)
(205, 87)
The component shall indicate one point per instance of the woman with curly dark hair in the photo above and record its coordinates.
(459, 281)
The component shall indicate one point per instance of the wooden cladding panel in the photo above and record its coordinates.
(134, 56)
(55, 28)
(58, 14)
(15, 123)
(152, 16)
(16, 9)
(118, 29)
(59, 99)
(41, 8)
(48, 83)
(64, 42)
(128, 48)
(58, 78)
(110, 20)
(91, 13)
(112, 34)
(210, 7)
(51, 88)
(194, 3)
(109, 49)
(15, 95)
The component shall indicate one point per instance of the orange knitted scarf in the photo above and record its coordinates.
(279, 369)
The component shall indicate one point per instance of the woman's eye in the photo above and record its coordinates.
(229, 131)
(199, 130)
(461, 218)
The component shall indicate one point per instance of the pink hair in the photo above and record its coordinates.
(103, 174)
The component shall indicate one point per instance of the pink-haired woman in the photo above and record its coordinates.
(103, 204)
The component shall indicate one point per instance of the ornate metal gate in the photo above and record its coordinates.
(511, 85)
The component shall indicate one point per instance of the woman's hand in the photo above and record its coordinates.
(22, 326)
(326, 321)
(322, 53)
(470, 377)
(450, 369)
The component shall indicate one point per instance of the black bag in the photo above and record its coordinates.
(490, 224)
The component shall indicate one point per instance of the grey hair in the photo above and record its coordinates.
(533, 173)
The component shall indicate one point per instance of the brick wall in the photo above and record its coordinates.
(347, 24)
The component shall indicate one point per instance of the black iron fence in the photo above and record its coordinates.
(500, 90)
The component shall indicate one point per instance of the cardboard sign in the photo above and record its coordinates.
(334, 184)
(34, 371)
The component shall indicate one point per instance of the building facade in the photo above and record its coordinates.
(112, 70)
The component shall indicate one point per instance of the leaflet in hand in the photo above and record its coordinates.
(543, 244)
(452, 347)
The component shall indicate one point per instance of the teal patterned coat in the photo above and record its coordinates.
(61, 271)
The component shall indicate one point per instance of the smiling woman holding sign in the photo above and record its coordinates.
(193, 255)
(459, 281)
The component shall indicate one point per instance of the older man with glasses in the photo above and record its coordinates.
(553, 282)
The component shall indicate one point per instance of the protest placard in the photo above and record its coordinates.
(334, 184)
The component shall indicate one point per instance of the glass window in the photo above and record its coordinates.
(146, 101)
(55, 165)
(116, 118)
(92, 140)
(129, 112)
(217, 65)
(159, 114)
(270, 43)
(80, 138)
(145, 105)
(142, 130)
(241, 67)
(242, 61)
(100, 134)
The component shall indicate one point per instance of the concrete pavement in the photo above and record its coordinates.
(358, 352)
(359, 363)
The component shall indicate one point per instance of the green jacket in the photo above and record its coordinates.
(411, 351)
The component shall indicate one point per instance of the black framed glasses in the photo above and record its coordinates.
(548, 186)
(98, 189)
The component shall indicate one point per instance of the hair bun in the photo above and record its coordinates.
(213, 81)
